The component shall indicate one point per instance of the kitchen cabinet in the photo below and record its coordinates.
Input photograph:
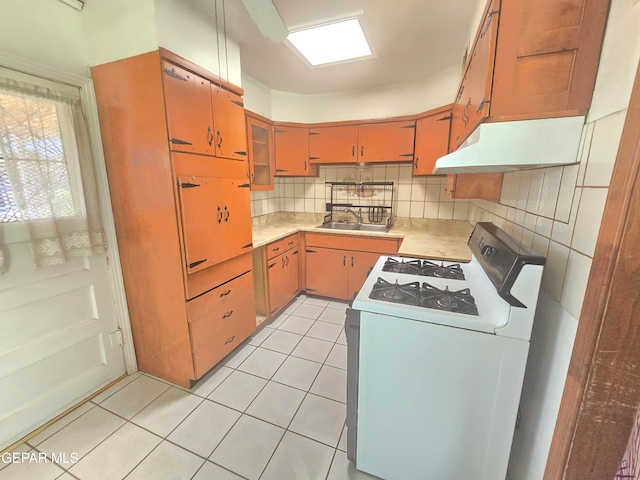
(386, 142)
(432, 141)
(375, 142)
(203, 117)
(230, 133)
(292, 152)
(484, 186)
(216, 220)
(261, 153)
(277, 281)
(220, 320)
(189, 113)
(530, 59)
(472, 102)
(182, 215)
(334, 269)
(333, 144)
(547, 57)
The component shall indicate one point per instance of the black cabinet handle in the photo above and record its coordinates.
(352, 261)
(196, 263)
(282, 262)
(219, 139)
(244, 154)
(416, 163)
(287, 262)
(295, 253)
(291, 242)
(219, 214)
(305, 165)
(344, 260)
(228, 314)
(253, 179)
(353, 150)
(229, 340)
(272, 265)
(226, 210)
(275, 249)
(362, 151)
(179, 141)
(210, 136)
(224, 294)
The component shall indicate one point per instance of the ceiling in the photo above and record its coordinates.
(410, 39)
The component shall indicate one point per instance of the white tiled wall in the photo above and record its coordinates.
(416, 197)
(557, 211)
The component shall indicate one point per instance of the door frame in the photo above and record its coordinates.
(602, 392)
(89, 104)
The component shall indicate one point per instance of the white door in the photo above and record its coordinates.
(59, 338)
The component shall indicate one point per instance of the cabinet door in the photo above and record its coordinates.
(474, 97)
(327, 272)
(236, 218)
(189, 115)
(333, 144)
(292, 151)
(386, 142)
(432, 142)
(484, 186)
(292, 274)
(199, 198)
(359, 265)
(228, 115)
(261, 154)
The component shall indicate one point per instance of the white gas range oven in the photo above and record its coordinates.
(436, 360)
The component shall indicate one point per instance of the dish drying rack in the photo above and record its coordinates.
(373, 200)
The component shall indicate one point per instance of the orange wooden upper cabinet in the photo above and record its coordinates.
(292, 152)
(547, 57)
(432, 141)
(333, 144)
(261, 154)
(486, 186)
(203, 117)
(189, 113)
(386, 142)
(229, 125)
(474, 95)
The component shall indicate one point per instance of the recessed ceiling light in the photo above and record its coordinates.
(332, 42)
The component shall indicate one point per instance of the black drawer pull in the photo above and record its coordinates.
(224, 294)
(275, 249)
(229, 340)
(272, 265)
(228, 314)
(196, 263)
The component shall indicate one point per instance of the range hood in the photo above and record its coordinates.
(516, 145)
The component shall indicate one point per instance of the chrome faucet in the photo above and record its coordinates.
(357, 215)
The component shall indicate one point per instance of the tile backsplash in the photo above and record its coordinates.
(415, 197)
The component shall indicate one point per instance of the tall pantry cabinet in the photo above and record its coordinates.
(176, 162)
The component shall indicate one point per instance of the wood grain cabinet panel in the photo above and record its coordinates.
(386, 142)
(189, 113)
(326, 273)
(486, 186)
(432, 141)
(333, 144)
(547, 56)
(292, 152)
(229, 124)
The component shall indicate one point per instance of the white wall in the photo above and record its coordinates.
(191, 34)
(394, 100)
(46, 31)
(257, 96)
(558, 211)
(117, 29)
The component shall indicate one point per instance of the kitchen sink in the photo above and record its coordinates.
(365, 227)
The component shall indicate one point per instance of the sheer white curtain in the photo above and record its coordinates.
(44, 143)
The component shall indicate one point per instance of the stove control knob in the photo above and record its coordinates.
(487, 251)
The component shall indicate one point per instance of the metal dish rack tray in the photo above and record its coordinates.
(372, 200)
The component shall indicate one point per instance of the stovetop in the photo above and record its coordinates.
(424, 295)
(424, 268)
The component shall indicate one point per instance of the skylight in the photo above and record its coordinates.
(330, 43)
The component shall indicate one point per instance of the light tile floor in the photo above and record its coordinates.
(274, 410)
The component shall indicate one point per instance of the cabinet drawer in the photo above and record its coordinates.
(289, 242)
(214, 335)
(200, 282)
(275, 248)
(354, 243)
(219, 296)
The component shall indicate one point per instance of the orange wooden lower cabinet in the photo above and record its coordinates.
(221, 330)
(283, 274)
(332, 270)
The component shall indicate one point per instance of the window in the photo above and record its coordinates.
(8, 208)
